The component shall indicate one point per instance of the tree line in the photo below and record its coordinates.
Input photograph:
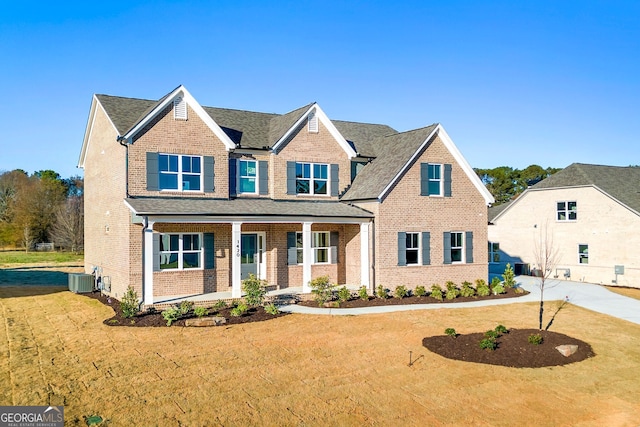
(41, 207)
(506, 183)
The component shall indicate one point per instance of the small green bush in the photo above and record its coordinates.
(451, 332)
(482, 289)
(200, 311)
(185, 307)
(488, 344)
(344, 294)
(239, 309)
(220, 304)
(401, 291)
(436, 292)
(452, 291)
(501, 329)
(498, 289)
(129, 304)
(254, 289)
(467, 290)
(509, 277)
(363, 293)
(535, 339)
(271, 309)
(491, 334)
(382, 292)
(322, 289)
(420, 291)
(171, 315)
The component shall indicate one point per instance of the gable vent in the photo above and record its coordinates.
(312, 122)
(179, 108)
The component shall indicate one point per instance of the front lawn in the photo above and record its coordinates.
(22, 257)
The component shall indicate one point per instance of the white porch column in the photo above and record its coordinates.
(364, 255)
(148, 264)
(236, 268)
(307, 256)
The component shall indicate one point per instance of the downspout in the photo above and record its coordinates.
(373, 255)
(120, 140)
(145, 225)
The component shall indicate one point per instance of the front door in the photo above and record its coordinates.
(252, 255)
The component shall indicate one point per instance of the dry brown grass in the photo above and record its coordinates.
(305, 370)
(627, 292)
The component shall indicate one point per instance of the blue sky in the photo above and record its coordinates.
(514, 83)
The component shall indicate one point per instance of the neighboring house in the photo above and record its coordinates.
(183, 200)
(592, 215)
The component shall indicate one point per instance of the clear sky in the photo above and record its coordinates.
(514, 82)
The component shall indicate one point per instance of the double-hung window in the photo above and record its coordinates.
(457, 246)
(435, 179)
(312, 178)
(583, 254)
(180, 251)
(320, 246)
(567, 211)
(412, 249)
(180, 172)
(247, 176)
(494, 252)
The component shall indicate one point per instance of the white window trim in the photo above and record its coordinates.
(461, 247)
(492, 252)
(180, 174)
(181, 252)
(419, 259)
(566, 211)
(312, 179)
(440, 180)
(239, 177)
(314, 248)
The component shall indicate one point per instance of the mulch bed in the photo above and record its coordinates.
(146, 319)
(373, 301)
(514, 349)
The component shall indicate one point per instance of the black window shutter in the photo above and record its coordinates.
(291, 177)
(426, 248)
(232, 176)
(469, 247)
(447, 180)
(263, 172)
(208, 174)
(424, 179)
(156, 251)
(292, 252)
(446, 240)
(209, 251)
(335, 180)
(334, 241)
(402, 248)
(152, 171)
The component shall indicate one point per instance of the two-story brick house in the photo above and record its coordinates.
(182, 199)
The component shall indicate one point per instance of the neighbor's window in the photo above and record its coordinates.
(494, 252)
(320, 244)
(180, 251)
(583, 254)
(435, 179)
(180, 172)
(413, 248)
(247, 174)
(567, 211)
(457, 246)
(311, 178)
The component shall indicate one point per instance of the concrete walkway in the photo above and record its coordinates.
(586, 295)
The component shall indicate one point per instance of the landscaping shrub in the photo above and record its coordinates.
(382, 292)
(498, 289)
(185, 307)
(482, 289)
(535, 339)
(509, 277)
(220, 304)
(271, 309)
(420, 291)
(491, 334)
(436, 292)
(171, 315)
(240, 309)
(363, 293)
(200, 311)
(452, 291)
(344, 294)
(322, 289)
(501, 329)
(129, 304)
(254, 289)
(467, 290)
(450, 332)
(488, 344)
(401, 292)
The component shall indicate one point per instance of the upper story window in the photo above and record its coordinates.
(312, 178)
(435, 179)
(567, 211)
(247, 175)
(180, 251)
(179, 172)
(494, 252)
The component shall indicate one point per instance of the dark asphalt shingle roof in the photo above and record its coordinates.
(494, 211)
(619, 182)
(244, 207)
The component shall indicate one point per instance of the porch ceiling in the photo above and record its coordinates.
(245, 207)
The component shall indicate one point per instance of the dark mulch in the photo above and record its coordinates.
(373, 301)
(146, 319)
(514, 349)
